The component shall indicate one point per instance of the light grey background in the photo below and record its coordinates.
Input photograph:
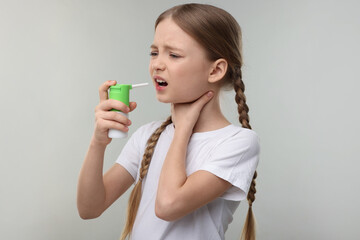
(301, 74)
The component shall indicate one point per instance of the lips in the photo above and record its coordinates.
(160, 83)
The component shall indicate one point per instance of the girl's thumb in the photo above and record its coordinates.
(206, 98)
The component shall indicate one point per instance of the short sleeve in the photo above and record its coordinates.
(235, 160)
(131, 155)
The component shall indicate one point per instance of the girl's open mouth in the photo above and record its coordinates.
(161, 83)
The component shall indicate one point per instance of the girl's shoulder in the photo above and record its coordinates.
(241, 136)
(229, 132)
(233, 138)
(245, 132)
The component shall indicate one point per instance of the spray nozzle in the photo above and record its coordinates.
(140, 85)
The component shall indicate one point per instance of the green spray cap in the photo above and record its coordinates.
(120, 92)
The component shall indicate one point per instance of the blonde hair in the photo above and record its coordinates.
(220, 35)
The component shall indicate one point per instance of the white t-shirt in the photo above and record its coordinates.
(231, 153)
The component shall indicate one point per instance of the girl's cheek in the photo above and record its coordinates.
(183, 72)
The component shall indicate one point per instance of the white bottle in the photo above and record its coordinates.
(115, 133)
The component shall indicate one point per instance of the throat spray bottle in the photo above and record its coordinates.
(121, 93)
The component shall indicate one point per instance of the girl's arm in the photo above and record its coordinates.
(97, 192)
(178, 194)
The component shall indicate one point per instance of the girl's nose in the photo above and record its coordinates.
(158, 65)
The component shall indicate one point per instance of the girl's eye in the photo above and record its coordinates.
(174, 55)
(153, 54)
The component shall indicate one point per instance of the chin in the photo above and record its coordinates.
(176, 99)
(163, 99)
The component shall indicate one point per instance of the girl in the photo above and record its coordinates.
(191, 171)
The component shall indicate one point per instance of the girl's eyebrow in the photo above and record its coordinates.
(167, 47)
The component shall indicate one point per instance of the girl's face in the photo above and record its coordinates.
(178, 65)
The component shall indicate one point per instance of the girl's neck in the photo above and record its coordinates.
(211, 117)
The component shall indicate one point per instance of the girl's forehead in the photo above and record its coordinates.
(169, 34)
(167, 25)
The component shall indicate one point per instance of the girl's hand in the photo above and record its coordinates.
(106, 119)
(185, 115)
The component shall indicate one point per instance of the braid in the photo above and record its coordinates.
(240, 99)
(151, 143)
(243, 109)
(135, 197)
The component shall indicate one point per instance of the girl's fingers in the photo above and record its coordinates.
(115, 117)
(109, 104)
(103, 89)
(104, 125)
(132, 106)
(203, 100)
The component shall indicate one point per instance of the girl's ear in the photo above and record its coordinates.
(218, 70)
